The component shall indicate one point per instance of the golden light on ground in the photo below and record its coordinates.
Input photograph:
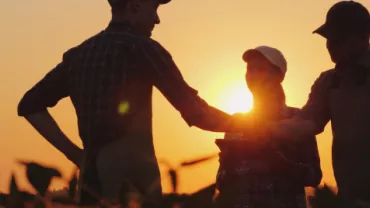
(236, 97)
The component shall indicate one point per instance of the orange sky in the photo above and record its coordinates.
(206, 39)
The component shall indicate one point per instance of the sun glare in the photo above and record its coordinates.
(236, 98)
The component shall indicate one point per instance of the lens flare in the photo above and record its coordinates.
(123, 108)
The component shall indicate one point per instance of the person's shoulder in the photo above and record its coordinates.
(325, 80)
(149, 41)
(84, 44)
(153, 45)
(328, 73)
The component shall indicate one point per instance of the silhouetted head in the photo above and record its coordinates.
(347, 30)
(141, 14)
(266, 68)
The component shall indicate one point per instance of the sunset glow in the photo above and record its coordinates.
(236, 98)
(205, 38)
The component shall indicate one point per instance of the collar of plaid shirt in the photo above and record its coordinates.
(119, 25)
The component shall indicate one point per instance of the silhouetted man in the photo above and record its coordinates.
(342, 96)
(110, 78)
(256, 173)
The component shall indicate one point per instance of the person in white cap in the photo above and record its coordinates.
(253, 173)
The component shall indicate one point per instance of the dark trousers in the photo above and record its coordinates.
(89, 190)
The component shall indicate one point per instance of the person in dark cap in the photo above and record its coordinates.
(342, 96)
(254, 173)
(109, 79)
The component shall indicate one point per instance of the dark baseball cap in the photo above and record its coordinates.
(116, 2)
(343, 18)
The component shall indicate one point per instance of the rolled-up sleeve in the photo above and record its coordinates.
(317, 107)
(168, 80)
(48, 91)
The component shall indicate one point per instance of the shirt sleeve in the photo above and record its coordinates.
(169, 81)
(317, 107)
(48, 91)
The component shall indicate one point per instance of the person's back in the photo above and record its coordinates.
(109, 87)
(111, 91)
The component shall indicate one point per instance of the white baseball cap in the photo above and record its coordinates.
(272, 54)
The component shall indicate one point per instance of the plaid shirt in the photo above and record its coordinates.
(109, 79)
(248, 189)
(253, 174)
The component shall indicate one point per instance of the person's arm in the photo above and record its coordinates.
(33, 107)
(44, 123)
(293, 128)
(313, 117)
(168, 80)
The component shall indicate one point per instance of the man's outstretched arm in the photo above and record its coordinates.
(33, 106)
(313, 117)
(168, 80)
(293, 128)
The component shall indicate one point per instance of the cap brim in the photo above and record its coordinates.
(164, 1)
(250, 54)
(323, 30)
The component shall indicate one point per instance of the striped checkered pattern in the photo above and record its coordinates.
(255, 190)
(253, 182)
(110, 78)
(115, 67)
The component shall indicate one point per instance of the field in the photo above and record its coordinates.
(40, 177)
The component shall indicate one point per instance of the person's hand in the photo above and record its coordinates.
(253, 127)
(292, 129)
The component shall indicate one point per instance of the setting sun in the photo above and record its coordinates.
(236, 98)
